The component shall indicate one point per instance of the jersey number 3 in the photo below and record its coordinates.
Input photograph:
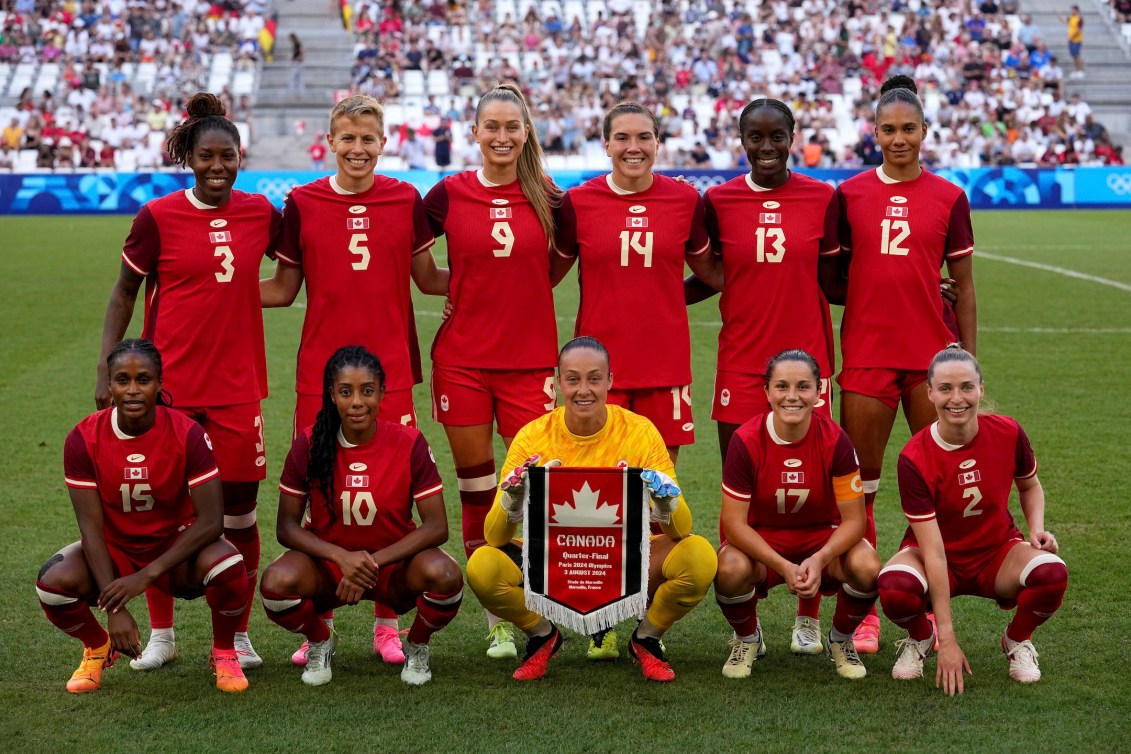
(227, 270)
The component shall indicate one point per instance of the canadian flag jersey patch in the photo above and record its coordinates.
(769, 218)
(500, 213)
(220, 236)
(357, 223)
(636, 222)
(357, 480)
(136, 472)
(969, 477)
(896, 212)
(793, 477)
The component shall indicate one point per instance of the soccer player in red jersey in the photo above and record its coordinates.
(198, 252)
(499, 225)
(955, 477)
(357, 238)
(360, 476)
(149, 503)
(776, 232)
(793, 514)
(899, 225)
(632, 231)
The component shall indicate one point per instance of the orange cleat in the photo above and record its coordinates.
(539, 650)
(88, 677)
(225, 663)
(650, 655)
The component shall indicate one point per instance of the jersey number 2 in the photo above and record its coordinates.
(975, 496)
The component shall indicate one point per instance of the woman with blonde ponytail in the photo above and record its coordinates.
(499, 225)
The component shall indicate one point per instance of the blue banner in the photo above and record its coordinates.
(123, 193)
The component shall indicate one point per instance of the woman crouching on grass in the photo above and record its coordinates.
(360, 476)
(150, 510)
(954, 481)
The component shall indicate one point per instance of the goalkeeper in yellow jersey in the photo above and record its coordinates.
(585, 431)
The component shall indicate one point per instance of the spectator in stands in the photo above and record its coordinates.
(7, 156)
(13, 134)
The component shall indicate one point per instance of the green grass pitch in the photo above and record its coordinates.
(1055, 349)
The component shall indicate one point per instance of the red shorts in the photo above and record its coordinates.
(740, 397)
(396, 406)
(669, 408)
(464, 397)
(133, 561)
(974, 573)
(886, 385)
(389, 590)
(237, 439)
(795, 545)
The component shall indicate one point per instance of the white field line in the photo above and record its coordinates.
(1057, 270)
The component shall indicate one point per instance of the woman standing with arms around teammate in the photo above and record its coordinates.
(198, 252)
(360, 476)
(499, 225)
(793, 514)
(954, 481)
(899, 225)
(158, 529)
(776, 232)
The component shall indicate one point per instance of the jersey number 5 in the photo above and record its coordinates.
(638, 241)
(890, 245)
(358, 247)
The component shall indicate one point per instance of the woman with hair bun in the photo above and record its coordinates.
(898, 225)
(199, 252)
(499, 225)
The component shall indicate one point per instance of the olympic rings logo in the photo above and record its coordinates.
(274, 188)
(1120, 183)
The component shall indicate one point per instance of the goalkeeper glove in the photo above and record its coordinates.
(664, 493)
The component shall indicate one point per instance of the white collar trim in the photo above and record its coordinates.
(617, 189)
(770, 429)
(338, 189)
(196, 202)
(941, 442)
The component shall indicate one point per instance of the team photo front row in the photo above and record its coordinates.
(150, 508)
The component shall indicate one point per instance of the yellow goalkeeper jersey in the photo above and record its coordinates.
(625, 437)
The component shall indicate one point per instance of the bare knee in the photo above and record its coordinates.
(282, 576)
(441, 573)
(66, 569)
(736, 572)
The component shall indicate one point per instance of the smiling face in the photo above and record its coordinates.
(357, 393)
(215, 161)
(356, 143)
(584, 380)
(501, 133)
(792, 391)
(766, 137)
(632, 145)
(134, 385)
(899, 133)
(956, 390)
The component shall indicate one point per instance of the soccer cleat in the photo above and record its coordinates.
(246, 652)
(88, 676)
(935, 628)
(848, 664)
(225, 663)
(299, 657)
(1022, 655)
(318, 671)
(909, 662)
(603, 646)
(806, 639)
(742, 656)
(416, 671)
(867, 636)
(502, 642)
(387, 643)
(539, 650)
(650, 655)
(159, 651)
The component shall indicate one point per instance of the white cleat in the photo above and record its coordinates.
(247, 654)
(159, 651)
(742, 656)
(912, 653)
(806, 639)
(318, 671)
(848, 663)
(1022, 655)
(416, 671)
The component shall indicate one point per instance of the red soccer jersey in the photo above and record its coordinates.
(143, 481)
(356, 253)
(202, 308)
(770, 242)
(498, 254)
(789, 485)
(898, 235)
(631, 249)
(966, 487)
(375, 485)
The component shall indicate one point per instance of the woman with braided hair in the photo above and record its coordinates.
(199, 251)
(360, 477)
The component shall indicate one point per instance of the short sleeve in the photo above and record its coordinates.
(422, 238)
(698, 242)
(844, 230)
(275, 230)
(565, 228)
(845, 461)
(1025, 459)
(78, 467)
(960, 229)
(830, 238)
(738, 473)
(914, 495)
(143, 244)
(436, 207)
(200, 464)
(289, 247)
(425, 477)
(293, 481)
(711, 218)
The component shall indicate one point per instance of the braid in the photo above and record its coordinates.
(776, 104)
(324, 435)
(205, 113)
(146, 350)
